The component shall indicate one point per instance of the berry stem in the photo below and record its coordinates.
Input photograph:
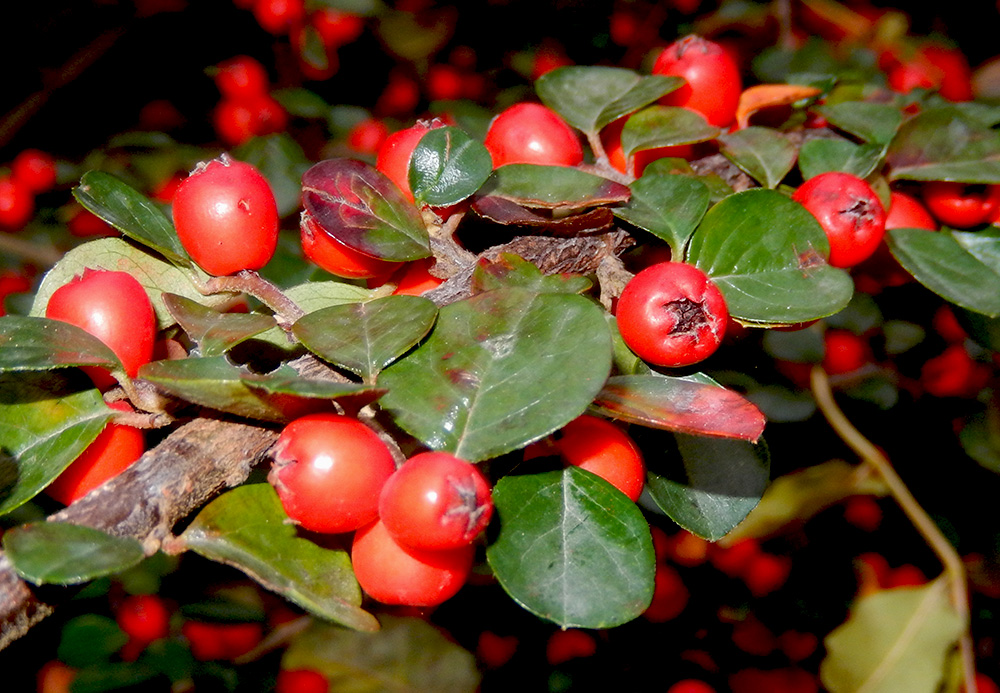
(286, 312)
(954, 569)
(45, 255)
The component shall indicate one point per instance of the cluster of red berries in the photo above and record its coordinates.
(32, 172)
(246, 108)
(414, 526)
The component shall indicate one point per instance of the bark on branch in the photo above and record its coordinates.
(192, 464)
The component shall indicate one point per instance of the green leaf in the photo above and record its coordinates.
(114, 676)
(938, 261)
(895, 640)
(38, 344)
(447, 166)
(665, 126)
(668, 206)
(46, 420)
(767, 254)
(500, 370)
(366, 337)
(980, 438)
(552, 187)
(512, 270)
(872, 122)
(572, 549)
(709, 485)
(590, 97)
(944, 143)
(155, 275)
(212, 331)
(820, 156)
(216, 383)
(762, 153)
(282, 161)
(88, 639)
(130, 212)
(247, 528)
(677, 404)
(360, 207)
(63, 554)
(406, 655)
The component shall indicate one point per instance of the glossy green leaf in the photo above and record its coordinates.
(572, 549)
(590, 97)
(980, 438)
(366, 337)
(314, 295)
(944, 143)
(708, 485)
(60, 553)
(820, 156)
(678, 404)
(552, 187)
(894, 640)
(282, 161)
(216, 383)
(88, 639)
(212, 331)
(37, 344)
(762, 153)
(447, 166)
(943, 265)
(405, 656)
(130, 212)
(511, 270)
(500, 370)
(767, 255)
(115, 676)
(46, 420)
(360, 207)
(876, 123)
(155, 275)
(668, 206)
(665, 126)
(247, 528)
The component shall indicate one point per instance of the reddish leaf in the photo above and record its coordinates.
(502, 211)
(685, 406)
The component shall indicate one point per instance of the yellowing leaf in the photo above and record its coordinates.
(895, 641)
(762, 96)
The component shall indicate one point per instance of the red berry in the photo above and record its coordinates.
(953, 373)
(278, 16)
(394, 155)
(863, 512)
(495, 650)
(301, 681)
(114, 307)
(226, 216)
(733, 559)
(35, 169)
(211, 641)
(399, 97)
(368, 136)
(713, 82)
(670, 595)
(530, 133)
(328, 471)
(85, 224)
(17, 203)
(798, 645)
(850, 213)
(601, 447)
(690, 686)
(392, 573)
(335, 27)
(337, 258)
(572, 643)
(611, 138)
(241, 78)
(687, 549)
(144, 618)
(844, 352)
(906, 212)
(115, 449)
(444, 82)
(766, 572)
(55, 677)
(671, 314)
(753, 637)
(962, 205)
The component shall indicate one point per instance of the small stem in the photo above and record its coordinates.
(954, 569)
(44, 255)
(249, 282)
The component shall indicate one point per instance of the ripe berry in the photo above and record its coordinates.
(530, 133)
(226, 216)
(115, 449)
(495, 650)
(671, 314)
(368, 136)
(670, 595)
(953, 373)
(241, 78)
(277, 16)
(863, 512)
(850, 213)
(392, 573)
(328, 471)
(55, 677)
(687, 549)
(601, 447)
(85, 224)
(435, 501)
(906, 212)
(114, 307)
(301, 681)
(844, 352)
(17, 203)
(335, 27)
(766, 572)
(337, 258)
(572, 643)
(35, 169)
(394, 155)
(961, 205)
(690, 686)
(611, 138)
(211, 641)
(713, 82)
